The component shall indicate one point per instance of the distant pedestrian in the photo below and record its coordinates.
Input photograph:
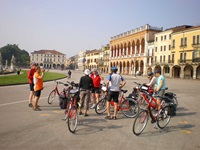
(69, 74)
(85, 86)
(30, 81)
(38, 86)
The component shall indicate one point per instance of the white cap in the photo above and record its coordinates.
(87, 71)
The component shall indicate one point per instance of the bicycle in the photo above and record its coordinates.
(128, 107)
(71, 110)
(55, 91)
(161, 117)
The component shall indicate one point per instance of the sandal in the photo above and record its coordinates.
(108, 117)
(114, 117)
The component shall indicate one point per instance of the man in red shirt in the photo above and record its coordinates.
(96, 90)
(30, 81)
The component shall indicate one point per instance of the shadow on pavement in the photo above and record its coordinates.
(158, 132)
(90, 126)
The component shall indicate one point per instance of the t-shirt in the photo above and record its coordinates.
(37, 80)
(86, 83)
(114, 81)
(161, 77)
(30, 75)
(96, 80)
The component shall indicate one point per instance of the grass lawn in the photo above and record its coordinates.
(22, 78)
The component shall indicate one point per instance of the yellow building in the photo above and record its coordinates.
(129, 50)
(92, 59)
(103, 64)
(186, 50)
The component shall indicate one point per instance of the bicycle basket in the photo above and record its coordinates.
(145, 88)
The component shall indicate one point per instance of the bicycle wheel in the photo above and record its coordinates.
(51, 97)
(140, 122)
(72, 119)
(129, 108)
(100, 107)
(163, 118)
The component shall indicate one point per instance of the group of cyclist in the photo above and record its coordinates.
(91, 83)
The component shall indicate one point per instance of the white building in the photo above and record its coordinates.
(81, 60)
(49, 59)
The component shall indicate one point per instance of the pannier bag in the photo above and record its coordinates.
(172, 109)
(63, 100)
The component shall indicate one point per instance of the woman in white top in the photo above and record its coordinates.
(153, 80)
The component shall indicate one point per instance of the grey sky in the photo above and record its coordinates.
(73, 25)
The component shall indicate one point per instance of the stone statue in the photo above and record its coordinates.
(6, 65)
(12, 64)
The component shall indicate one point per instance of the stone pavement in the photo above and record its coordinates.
(23, 129)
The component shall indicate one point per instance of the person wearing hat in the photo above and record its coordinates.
(161, 85)
(96, 89)
(114, 81)
(30, 81)
(152, 80)
(85, 86)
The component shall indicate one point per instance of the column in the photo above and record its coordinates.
(140, 49)
(130, 70)
(120, 53)
(123, 51)
(171, 71)
(131, 50)
(135, 49)
(194, 72)
(182, 72)
(127, 51)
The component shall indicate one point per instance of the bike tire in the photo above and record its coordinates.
(140, 122)
(100, 107)
(129, 108)
(72, 119)
(51, 97)
(163, 118)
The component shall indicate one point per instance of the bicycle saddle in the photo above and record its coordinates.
(124, 91)
(66, 84)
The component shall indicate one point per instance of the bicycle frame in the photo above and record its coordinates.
(152, 105)
(120, 102)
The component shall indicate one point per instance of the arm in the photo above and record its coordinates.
(123, 82)
(80, 83)
(30, 75)
(150, 83)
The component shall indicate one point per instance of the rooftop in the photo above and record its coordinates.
(54, 52)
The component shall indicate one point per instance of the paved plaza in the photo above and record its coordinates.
(23, 129)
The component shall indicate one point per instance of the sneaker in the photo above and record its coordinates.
(155, 126)
(93, 106)
(30, 105)
(98, 107)
(79, 104)
(85, 115)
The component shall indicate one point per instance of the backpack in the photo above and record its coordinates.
(171, 109)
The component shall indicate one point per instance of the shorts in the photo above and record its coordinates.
(37, 93)
(160, 94)
(96, 90)
(31, 86)
(113, 95)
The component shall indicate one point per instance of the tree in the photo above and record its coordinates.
(22, 56)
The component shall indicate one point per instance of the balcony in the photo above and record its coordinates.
(196, 45)
(189, 61)
(183, 46)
